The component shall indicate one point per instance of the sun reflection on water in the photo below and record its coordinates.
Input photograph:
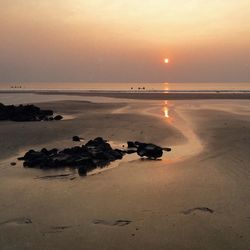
(166, 87)
(166, 111)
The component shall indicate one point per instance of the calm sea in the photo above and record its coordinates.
(149, 87)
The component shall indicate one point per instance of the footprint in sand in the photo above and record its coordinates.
(57, 229)
(119, 223)
(16, 222)
(59, 176)
(60, 227)
(201, 209)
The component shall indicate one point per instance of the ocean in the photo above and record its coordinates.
(124, 87)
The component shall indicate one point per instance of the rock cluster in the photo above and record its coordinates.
(24, 113)
(95, 153)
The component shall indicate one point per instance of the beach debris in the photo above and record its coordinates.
(96, 153)
(13, 163)
(77, 138)
(26, 113)
(202, 209)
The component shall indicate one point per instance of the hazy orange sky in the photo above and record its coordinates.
(124, 41)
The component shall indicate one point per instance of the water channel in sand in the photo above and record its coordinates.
(172, 114)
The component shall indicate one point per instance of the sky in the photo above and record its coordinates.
(124, 41)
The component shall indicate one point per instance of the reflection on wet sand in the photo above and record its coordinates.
(175, 117)
(166, 110)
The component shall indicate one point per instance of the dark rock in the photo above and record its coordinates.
(131, 144)
(76, 138)
(149, 150)
(44, 151)
(95, 153)
(52, 151)
(58, 118)
(131, 150)
(13, 163)
(24, 113)
(32, 154)
(132, 147)
(98, 144)
(82, 171)
(30, 164)
(118, 154)
(47, 112)
(167, 149)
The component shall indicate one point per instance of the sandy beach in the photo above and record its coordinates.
(196, 197)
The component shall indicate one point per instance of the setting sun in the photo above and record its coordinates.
(166, 60)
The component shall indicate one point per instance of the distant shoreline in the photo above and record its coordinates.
(140, 95)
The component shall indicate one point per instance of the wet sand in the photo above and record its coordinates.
(197, 197)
